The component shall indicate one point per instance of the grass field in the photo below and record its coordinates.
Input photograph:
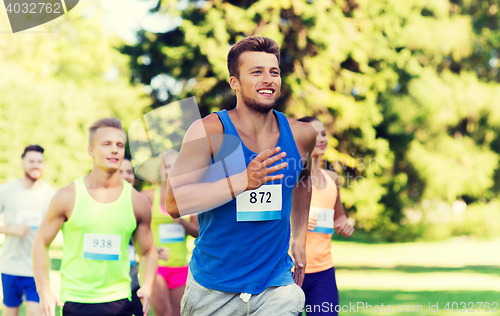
(420, 274)
(408, 275)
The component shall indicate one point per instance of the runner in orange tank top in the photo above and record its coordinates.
(326, 212)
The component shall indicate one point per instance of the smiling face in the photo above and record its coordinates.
(108, 148)
(32, 164)
(259, 82)
(321, 138)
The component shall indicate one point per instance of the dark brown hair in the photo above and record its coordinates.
(308, 119)
(32, 148)
(250, 44)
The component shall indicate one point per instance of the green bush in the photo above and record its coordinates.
(438, 221)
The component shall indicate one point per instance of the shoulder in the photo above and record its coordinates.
(213, 124)
(197, 144)
(7, 187)
(207, 125)
(140, 201)
(149, 194)
(141, 206)
(47, 187)
(68, 191)
(64, 198)
(10, 185)
(304, 133)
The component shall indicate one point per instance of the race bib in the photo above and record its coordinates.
(262, 204)
(101, 247)
(31, 219)
(131, 254)
(325, 219)
(170, 233)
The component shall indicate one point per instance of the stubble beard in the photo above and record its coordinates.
(27, 175)
(256, 106)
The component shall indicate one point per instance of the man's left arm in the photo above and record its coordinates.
(305, 137)
(143, 242)
(342, 226)
(192, 227)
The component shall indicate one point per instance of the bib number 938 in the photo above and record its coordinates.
(102, 243)
(102, 247)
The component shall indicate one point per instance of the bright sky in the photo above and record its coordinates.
(125, 17)
(128, 16)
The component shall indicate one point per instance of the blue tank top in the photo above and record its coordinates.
(246, 256)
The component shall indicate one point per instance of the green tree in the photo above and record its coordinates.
(54, 83)
(392, 80)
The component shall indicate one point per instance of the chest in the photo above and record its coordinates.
(259, 144)
(318, 181)
(105, 195)
(22, 205)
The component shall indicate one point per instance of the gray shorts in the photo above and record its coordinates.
(275, 300)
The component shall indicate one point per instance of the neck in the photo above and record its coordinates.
(104, 179)
(30, 183)
(254, 122)
(315, 165)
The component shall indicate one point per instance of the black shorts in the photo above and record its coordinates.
(136, 301)
(122, 307)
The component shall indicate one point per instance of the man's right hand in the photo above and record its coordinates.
(20, 230)
(48, 302)
(258, 169)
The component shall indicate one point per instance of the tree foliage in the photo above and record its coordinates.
(54, 83)
(407, 89)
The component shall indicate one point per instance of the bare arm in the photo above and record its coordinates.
(149, 194)
(192, 227)
(188, 170)
(193, 161)
(342, 226)
(59, 210)
(143, 242)
(20, 230)
(305, 138)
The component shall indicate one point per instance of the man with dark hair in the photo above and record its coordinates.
(97, 215)
(23, 201)
(250, 44)
(36, 148)
(240, 264)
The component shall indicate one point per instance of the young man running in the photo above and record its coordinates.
(24, 202)
(97, 214)
(240, 265)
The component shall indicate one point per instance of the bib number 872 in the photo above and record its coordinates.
(254, 198)
(102, 243)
